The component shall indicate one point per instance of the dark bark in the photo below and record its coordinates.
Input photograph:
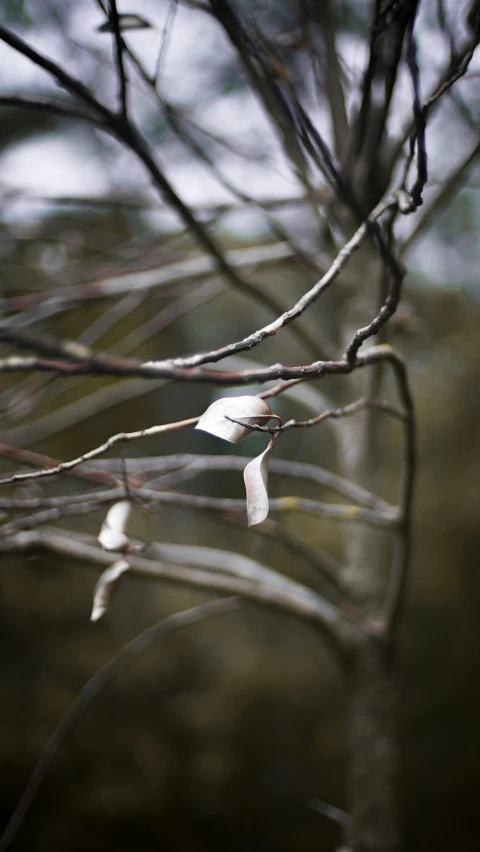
(372, 775)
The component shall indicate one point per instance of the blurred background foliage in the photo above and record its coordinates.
(218, 738)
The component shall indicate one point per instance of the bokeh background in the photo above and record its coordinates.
(219, 738)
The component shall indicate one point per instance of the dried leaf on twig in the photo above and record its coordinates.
(250, 409)
(105, 588)
(256, 485)
(112, 533)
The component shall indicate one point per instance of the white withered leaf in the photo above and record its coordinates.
(255, 476)
(105, 588)
(249, 409)
(112, 533)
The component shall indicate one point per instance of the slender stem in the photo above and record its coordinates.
(64, 110)
(330, 414)
(85, 503)
(119, 48)
(128, 134)
(200, 463)
(255, 582)
(102, 678)
(403, 539)
(91, 454)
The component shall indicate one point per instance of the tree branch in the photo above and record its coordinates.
(93, 363)
(119, 46)
(330, 414)
(443, 197)
(81, 504)
(282, 594)
(58, 108)
(128, 134)
(167, 370)
(200, 463)
(102, 678)
(120, 437)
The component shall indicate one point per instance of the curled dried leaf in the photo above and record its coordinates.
(112, 533)
(112, 539)
(256, 485)
(118, 514)
(105, 588)
(250, 409)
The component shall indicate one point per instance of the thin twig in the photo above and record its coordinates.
(128, 134)
(91, 454)
(193, 268)
(239, 575)
(303, 303)
(122, 77)
(403, 541)
(446, 81)
(335, 413)
(102, 678)
(63, 110)
(41, 460)
(282, 467)
(443, 197)
(447, 84)
(168, 370)
(172, 10)
(418, 137)
(82, 504)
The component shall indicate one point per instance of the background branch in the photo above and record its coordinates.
(102, 678)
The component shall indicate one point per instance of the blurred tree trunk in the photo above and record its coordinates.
(372, 777)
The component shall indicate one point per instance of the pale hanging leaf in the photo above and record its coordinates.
(112, 535)
(112, 539)
(126, 22)
(105, 588)
(256, 485)
(249, 409)
(117, 515)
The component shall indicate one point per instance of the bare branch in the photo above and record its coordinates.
(284, 594)
(119, 46)
(169, 371)
(40, 460)
(327, 58)
(114, 439)
(65, 80)
(389, 307)
(82, 504)
(102, 678)
(334, 414)
(389, 27)
(128, 134)
(264, 69)
(452, 185)
(101, 399)
(64, 110)
(165, 38)
(401, 562)
(326, 567)
(418, 137)
(444, 84)
(303, 303)
(147, 279)
(199, 463)
(451, 80)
